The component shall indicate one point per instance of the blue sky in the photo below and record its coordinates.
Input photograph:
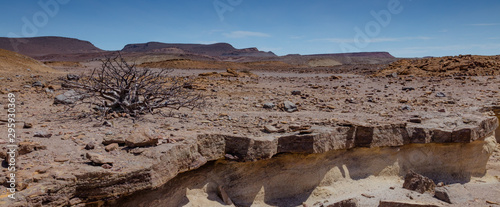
(405, 28)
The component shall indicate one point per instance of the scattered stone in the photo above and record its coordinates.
(406, 204)
(208, 74)
(223, 195)
(113, 139)
(367, 196)
(288, 106)
(453, 194)
(270, 129)
(28, 125)
(415, 120)
(111, 147)
(295, 127)
(73, 77)
(408, 89)
(61, 158)
(296, 93)
(405, 108)
(442, 194)
(269, 105)
(90, 146)
(231, 157)
(351, 202)
(42, 134)
(98, 159)
(417, 182)
(48, 90)
(41, 169)
(335, 77)
(440, 94)
(442, 110)
(107, 166)
(68, 97)
(350, 100)
(141, 137)
(37, 84)
(308, 131)
(27, 147)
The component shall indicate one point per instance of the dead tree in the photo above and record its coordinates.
(122, 87)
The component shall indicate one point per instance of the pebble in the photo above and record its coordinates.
(90, 146)
(42, 134)
(440, 94)
(296, 93)
(270, 129)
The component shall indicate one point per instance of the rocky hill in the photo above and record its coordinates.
(11, 62)
(462, 65)
(41, 46)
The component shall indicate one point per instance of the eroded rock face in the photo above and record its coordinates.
(293, 176)
(321, 158)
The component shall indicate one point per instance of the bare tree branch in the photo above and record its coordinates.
(134, 90)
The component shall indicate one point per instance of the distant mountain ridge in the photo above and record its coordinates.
(71, 49)
(40, 46)
(217, 49)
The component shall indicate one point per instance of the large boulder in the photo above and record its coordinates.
(68, 97)
(419, 183)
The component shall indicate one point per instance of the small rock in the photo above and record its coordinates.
(28, 125)
(442, 110)
(37, 84)
(334, 77)
(408, 89)
(295, 127)
(106, 166)
(98, 159)
(42, 134)
(68, 97)
(406, 108)
(406, 204)
(367, 196)
(442, 194)
(453, 194)
(90, 146)
(296, 93)
(72, 77)
(288, 106)
(270, 129)
(231, 157)
(141, 137)
(269, 105)
(351, 202)
(350, 100)
(48, 90)
(61, 158)
(308, 131)
(27, 147)
(417, 182)
(111, 147)
(415, 120)
(440, 94)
